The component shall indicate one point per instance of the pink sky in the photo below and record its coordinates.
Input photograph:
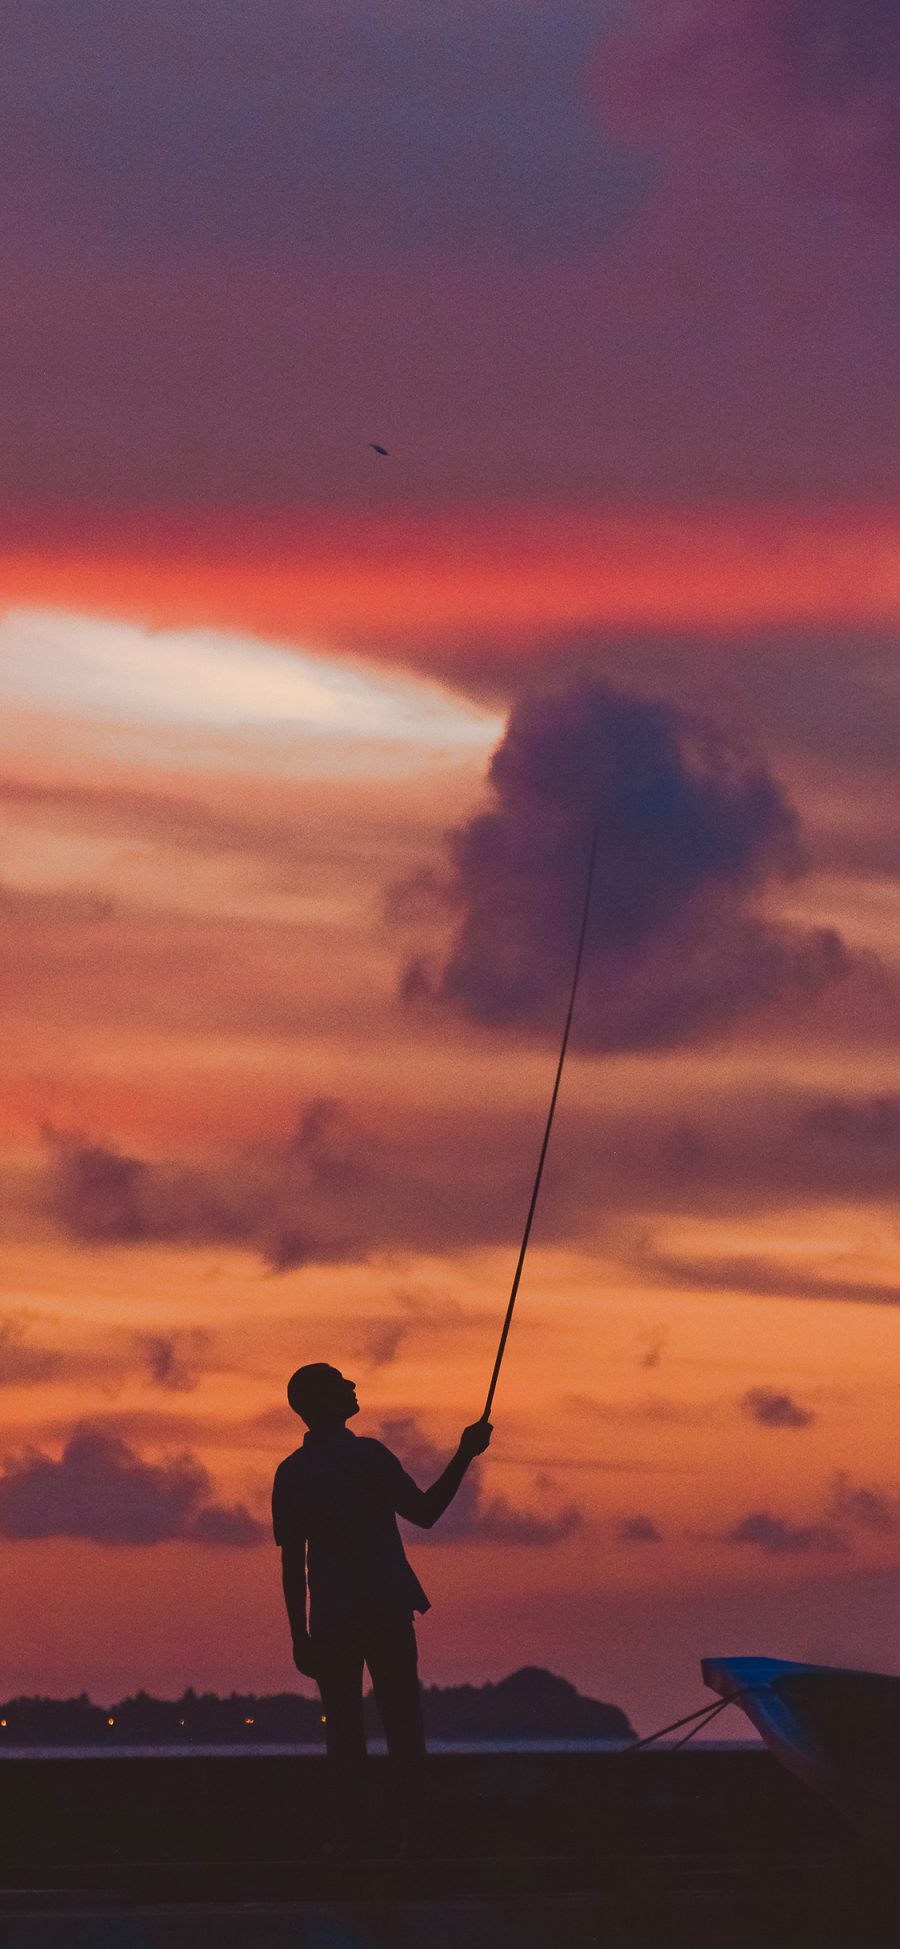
(621, 305)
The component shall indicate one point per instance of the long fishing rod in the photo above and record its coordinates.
(540, 1169)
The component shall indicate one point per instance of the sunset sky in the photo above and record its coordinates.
(301, 747)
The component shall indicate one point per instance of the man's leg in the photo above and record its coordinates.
(393, 1664)
(339, 1657)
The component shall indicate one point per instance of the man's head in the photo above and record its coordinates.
(321, 1396)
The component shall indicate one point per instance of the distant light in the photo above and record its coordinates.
(110, 1722)
(324, 1720)
(181, 1722)
(2, 1722)
(249, 1722)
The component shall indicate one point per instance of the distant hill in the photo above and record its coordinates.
(530, 1704)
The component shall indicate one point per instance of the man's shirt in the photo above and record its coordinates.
(336, 1500)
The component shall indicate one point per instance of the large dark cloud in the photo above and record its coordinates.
(302, 128)
(101, 1490)
(692, 833)
(475, 1516)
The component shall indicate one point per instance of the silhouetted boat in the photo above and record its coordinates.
(839, 1731)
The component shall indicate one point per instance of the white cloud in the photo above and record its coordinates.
(224, 684)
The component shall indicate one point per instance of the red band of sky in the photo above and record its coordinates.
(520, 572)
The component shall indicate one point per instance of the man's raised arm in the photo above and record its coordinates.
(424, 1506)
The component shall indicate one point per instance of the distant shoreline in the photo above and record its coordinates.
(438, 1749)
(529, 1706)
(306, 1749)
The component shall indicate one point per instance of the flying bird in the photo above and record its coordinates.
(377, 449)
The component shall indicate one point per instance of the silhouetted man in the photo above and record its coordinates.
(335, 1504)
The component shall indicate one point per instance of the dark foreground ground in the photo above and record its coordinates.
(534, 1851)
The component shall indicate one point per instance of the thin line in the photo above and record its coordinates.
(540, 1169)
